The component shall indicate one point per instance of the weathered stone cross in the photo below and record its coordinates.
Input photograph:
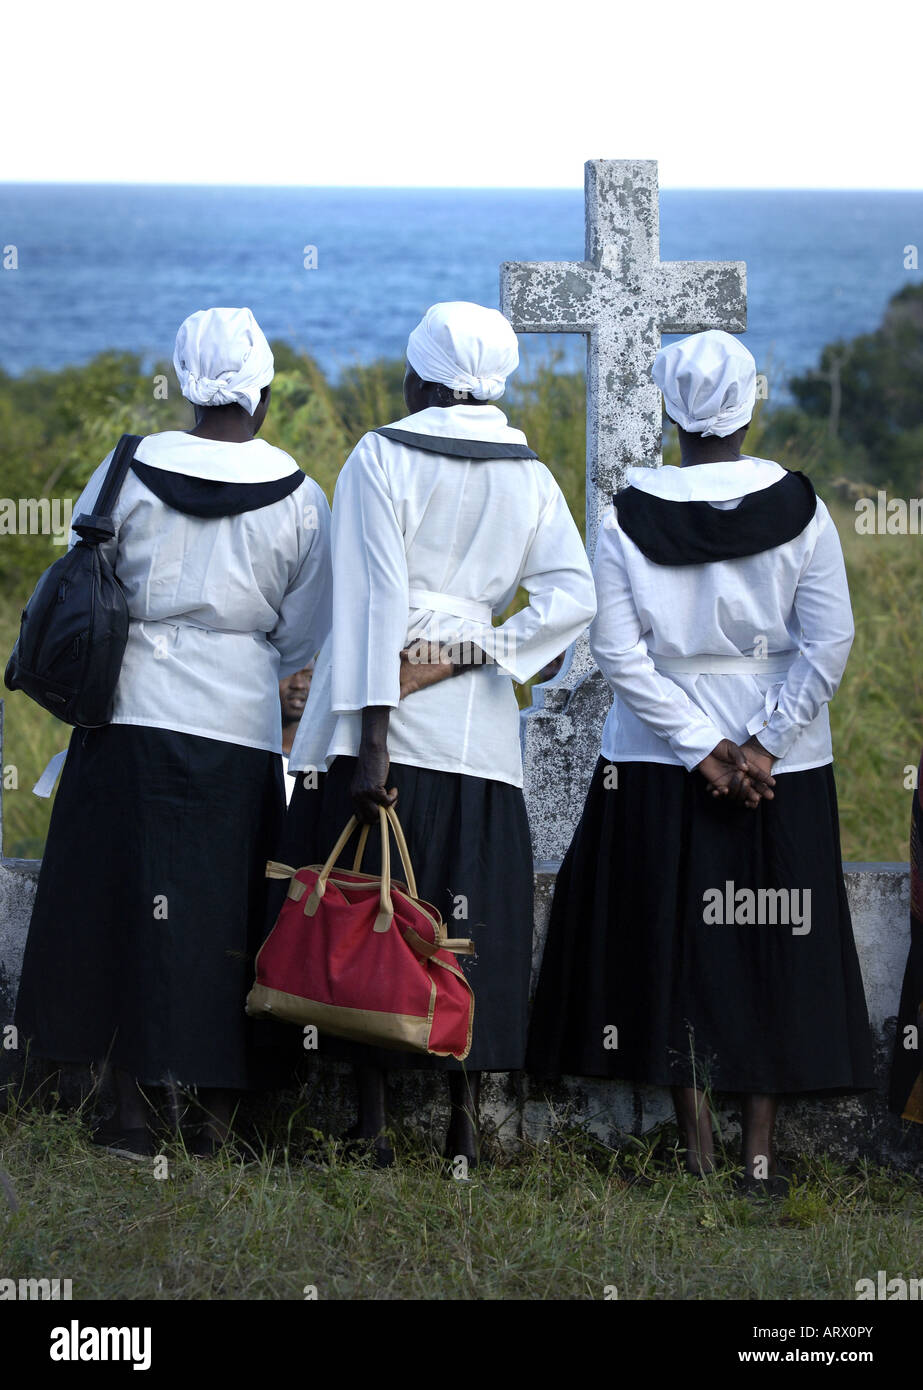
(622, 297)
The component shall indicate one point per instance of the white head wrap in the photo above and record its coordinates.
(222, 357)
(708, 382)
(464, 346)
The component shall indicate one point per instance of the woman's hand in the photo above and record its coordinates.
(757, 755)
(423, 664)
(368, 787)
(731, 772)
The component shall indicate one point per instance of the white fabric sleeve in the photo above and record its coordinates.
(824, 613)
(305, 610)
(621, 654)
(86, 503)
(556, 575)
(371, 602)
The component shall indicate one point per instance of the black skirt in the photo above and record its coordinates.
(646, 978)
(906, 1087)
(906, 1091)
(471, 852)
(151, 906)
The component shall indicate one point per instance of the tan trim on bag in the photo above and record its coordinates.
(461, 946)
(401, 1032)
(276, 870)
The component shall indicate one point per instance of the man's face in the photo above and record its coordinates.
(293, 693)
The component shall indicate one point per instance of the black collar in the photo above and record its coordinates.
(696, 533)
(457, 448)
(204, 498)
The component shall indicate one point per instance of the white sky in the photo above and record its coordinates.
(724, 93)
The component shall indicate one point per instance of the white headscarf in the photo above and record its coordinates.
(464, 346)
(222, 357)
(708, 382)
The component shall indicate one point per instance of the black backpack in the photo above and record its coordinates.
(75, 626)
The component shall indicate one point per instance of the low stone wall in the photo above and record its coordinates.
(519, 1109)
(18, 878)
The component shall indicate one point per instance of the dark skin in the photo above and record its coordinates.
(293, 696)
(723, 766)
(229, 424)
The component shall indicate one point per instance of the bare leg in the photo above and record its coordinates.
(757, 1141)
(694, 1120)
(217, 1107)
(462, 1136)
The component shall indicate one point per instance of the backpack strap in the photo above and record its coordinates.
(97, 526)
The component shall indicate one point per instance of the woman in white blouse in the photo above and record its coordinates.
(438, 520)
(700, 935)
(150, 901)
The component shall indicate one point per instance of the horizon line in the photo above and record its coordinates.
(445, 188)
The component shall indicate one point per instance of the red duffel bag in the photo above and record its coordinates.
(363, 957)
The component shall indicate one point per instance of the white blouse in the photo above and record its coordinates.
(431, 546)
(221, 608)
(670, 639)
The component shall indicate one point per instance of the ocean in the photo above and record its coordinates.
(120, 266)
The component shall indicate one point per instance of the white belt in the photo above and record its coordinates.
(707, 664)
(177, 623)
(449, 603)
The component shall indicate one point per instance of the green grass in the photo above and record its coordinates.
(558, 1222)
(877, 715)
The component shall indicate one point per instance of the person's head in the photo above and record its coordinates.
(224, 366)
(459, 354)
(293, 693)
(708, 382)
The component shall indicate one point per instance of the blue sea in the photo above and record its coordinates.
(120, 266)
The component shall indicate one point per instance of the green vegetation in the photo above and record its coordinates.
(56, 427)
(867, 393)
(561, 1222)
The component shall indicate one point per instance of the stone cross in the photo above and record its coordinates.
(622, 297)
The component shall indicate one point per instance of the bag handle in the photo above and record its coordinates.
(97, 526)
(360, 848)
(387, 816)
(402, 849)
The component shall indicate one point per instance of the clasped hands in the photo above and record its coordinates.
(743, 774)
